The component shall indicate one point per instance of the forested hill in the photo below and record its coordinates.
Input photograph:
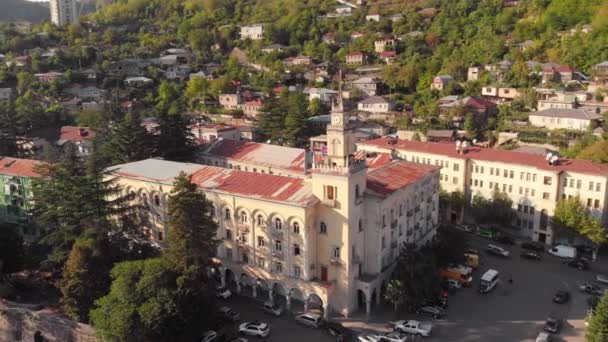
(15, 10)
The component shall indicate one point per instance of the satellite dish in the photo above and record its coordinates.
(553, 159)
(474, 141)
(549, 155)
(458, 142)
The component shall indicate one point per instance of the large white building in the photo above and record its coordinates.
(328, 236)
(63, 12)
(533, 184)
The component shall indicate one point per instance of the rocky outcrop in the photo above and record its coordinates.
(29, 323)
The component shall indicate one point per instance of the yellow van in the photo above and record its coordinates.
(472, 260)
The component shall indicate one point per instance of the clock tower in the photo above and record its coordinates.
(340, 141)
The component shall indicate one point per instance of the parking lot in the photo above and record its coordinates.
(512, 312)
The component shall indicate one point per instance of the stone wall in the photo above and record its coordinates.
(21, 322)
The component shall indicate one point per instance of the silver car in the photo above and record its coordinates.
(310, 319)
(602, 279)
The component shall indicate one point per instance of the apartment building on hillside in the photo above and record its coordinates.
(534, 184)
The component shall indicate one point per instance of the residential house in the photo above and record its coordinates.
(388, 56)
(86, 93)
(209, 132)
(298, 60)
(329, 38)
(395, 17)
(384, 44)
(71, 106)
(6, 94)
(231, 101)
(178, 72)
(326, 96)
(96, 106)
(21, 62)
(253, 108)
(481, 109)
(131, 106)
(201, 74)
(248, 133)
(355, 35)
(473, 73)
(376, 104)
(441, 81)
(373, 17)
(138, 81)
(370, 86)
(79, 137)
(49, 76)
(253, 32)
(342, 9)
(558, 118)
(499, 94)
(561, 74)
(441, 135)
(128, 67)
(600, 73)
(16, 193)
(274, 48)
(524, 46)
(355, 57)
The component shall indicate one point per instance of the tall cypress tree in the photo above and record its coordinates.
(175, 140)
(129, 142)
(296, 120)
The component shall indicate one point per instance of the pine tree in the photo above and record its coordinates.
(597, 331)
(295, 121)
(272, 120)
(175, 141)
(11, 250)
(129, 142)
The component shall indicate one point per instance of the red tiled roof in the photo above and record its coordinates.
(565, 68)
(480, 103)
(74, 133)
(492, 155)
(257, 103)
(374, 160)
(255, 185)
(19, 167)
(396, 175)
(385, 54)
(355, 53)
(219, 128)
(274, 156)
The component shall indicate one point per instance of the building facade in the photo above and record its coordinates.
(534, 185)
(63, 12)
(329, 238)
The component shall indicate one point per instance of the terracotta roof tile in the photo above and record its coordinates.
(19, 167)
(74, 133)
(396, 175)
(274, 156)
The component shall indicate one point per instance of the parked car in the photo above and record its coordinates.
(584, 249)
(488, 234)
(543, 337)
(339, 332)
(531, 255)
(463, 227)
(564, 251)
(471, 251)
(431, 311)
(238, 339)
(602, 279)
(552, 325)
(561, 296)
(272, 309)
(578, 263)
(506, 239)
(223, 293)
(533, 246)
(414, 327)
(591, 289)
(256, 328)
(209, 336)
(369, 338)
(462, 269)
(497, 250)
(228, 314)
(393, 337)
(441, 302)
(310, 319)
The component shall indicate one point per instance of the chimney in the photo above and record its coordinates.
(83, 132)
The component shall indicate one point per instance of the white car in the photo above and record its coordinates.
(414, 327)
(464, 228)
(209, 336)
(223, 293)
(462, 269)
(602, 279)
(394, 337)
(497, 250)
(369, 338)
(258, 329)
(543, 337)
(453, 283)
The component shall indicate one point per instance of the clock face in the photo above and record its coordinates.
(336, 120)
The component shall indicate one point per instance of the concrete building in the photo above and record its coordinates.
(63, 12)
(533, 184)
(441, 81)
(210, 132)
(556, 118)
(376, 104)
(80, 137)
(328, 238)
(253, 32)
(355, 57)
(6, 94)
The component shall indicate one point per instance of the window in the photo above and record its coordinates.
(261, 263)
(547, 180)
(278, 225)
(481, 169)
(590, 186)
(534, 177)
(532, 192)
(531, 210)
(578, 184)
(476, 168)
(525, 209)
(383, 243)
(456, 167)
(598, 187)
(481, 183)
(521, 190)
(565, 182)
(243, 217)
(360, 225)
(296, 271)
(336, 252)
(323, 228)
(330, 192)
(455, 180)
(383, 220)
(546, 195)
(245, 258)
(278, 267)
(260, 220)
(228, 234)
(157, 200)
(511, 174)
(261, 242)
(497, 171)
(596, 204)
(244, 238)
(400, 230)
(530, 224)
(510, 188)
(160, 236)
(278, 246)
(572, 182)
(476, 182)
(504, 188)
(505, 173)
(521, 176)
(296, 249)
(589, 202)
(491, 171)
(528, 176)
(519, 207)
(227, 214)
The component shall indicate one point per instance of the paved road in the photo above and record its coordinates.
(512, 312)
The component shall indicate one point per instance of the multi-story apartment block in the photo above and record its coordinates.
(63, 12)
(328, 238)
(16, 191)
(534, 184)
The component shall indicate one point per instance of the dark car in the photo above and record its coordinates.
(533, 246)
(578, 263)
(441, 302)
(506, 239)
(591, 289)
(228, 314)
(552, 325)
(561, 297)
(531, 255)
(431, 311)
(339, 332)
(584, 249)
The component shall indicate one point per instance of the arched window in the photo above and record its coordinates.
(260, 220)
(243, 217)
(227, 214)
(323, 228)
(296, 228)
(144, 201)
(157, 200)
(278, 224)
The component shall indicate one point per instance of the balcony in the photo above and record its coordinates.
(277, 254)
(394, 224)
(329, 202)
(277, 234)
(243, 227)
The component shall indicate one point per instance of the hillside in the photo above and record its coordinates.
(15, 10)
